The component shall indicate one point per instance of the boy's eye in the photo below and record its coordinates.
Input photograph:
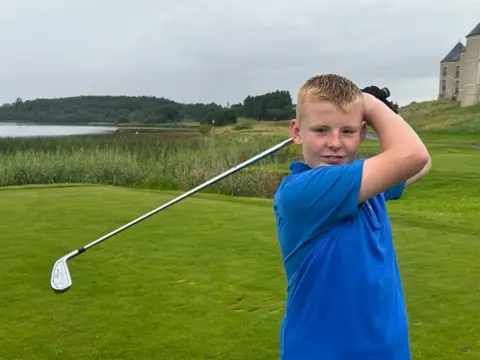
(325, 131)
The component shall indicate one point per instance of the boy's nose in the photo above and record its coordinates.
(334, 141)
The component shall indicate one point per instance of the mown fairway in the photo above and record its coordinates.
(204, 278)
(194, 282)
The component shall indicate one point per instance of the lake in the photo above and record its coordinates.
(30, 130)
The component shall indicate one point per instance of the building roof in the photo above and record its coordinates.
(454, 54)
(475, 31)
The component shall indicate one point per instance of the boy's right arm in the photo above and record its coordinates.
(404, 155)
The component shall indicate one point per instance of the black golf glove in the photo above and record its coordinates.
(382, 95)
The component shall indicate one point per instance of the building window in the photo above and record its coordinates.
(444, 71)
(456, 87)
(457, 71)
(444, 85)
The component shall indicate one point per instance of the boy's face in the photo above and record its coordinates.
(329, 135)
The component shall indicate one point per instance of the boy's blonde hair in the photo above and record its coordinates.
(337, 89)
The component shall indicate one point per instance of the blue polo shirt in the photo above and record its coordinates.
(345, 297)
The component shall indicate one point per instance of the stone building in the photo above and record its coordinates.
(460, 71)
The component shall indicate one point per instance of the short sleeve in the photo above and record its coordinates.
(395, 192)
(318, 198)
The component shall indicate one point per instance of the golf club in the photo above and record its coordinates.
(61, 279)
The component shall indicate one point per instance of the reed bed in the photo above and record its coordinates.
(174, 162)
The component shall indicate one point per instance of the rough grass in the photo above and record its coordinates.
(204, 279)
(147, 161)
(445, 118)
(252, 126)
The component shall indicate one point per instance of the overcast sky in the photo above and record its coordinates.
(223, 50)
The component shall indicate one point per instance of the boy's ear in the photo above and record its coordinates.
(363, 131)
(295, 131)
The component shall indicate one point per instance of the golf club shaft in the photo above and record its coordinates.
(185, 195)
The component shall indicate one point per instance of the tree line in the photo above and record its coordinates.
(272, 106)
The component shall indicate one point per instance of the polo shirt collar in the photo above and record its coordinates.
(298, 167)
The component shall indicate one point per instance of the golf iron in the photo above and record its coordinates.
(61, 279)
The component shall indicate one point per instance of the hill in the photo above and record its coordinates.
(443, 117)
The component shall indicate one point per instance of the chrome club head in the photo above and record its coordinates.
(61, 280)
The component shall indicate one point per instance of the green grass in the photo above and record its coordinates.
(444, 120)
(163, 290)
(213, 287)
(145, 129)
(448, 138)
(437, 232)
(165, 162)
(178, 125)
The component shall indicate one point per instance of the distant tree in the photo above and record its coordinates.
(170, 112)
(109, 109)
(271, 106)
(221, 117)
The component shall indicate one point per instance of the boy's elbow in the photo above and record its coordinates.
(423, 155)
(421, 158)
(428, 166)
(422, 170)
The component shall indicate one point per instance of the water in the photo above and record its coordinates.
(30, 130)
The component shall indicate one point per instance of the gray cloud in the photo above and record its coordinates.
(222, 51)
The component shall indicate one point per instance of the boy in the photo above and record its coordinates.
(345, 298)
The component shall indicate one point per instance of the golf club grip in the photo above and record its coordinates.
(191, 192)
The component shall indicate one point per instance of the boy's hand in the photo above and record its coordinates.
(376, 91)
(380, 95)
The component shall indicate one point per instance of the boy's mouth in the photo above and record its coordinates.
(333, 159)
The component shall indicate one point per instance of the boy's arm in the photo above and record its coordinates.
(403, 156)
(375, 91)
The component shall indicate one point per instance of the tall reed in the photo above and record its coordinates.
(165, 162)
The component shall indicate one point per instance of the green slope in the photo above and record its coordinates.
(444, 117)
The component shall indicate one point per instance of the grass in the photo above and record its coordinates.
(444, 121)
(436, 227)
(175, 162)
(198, 282)
(188, 293)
